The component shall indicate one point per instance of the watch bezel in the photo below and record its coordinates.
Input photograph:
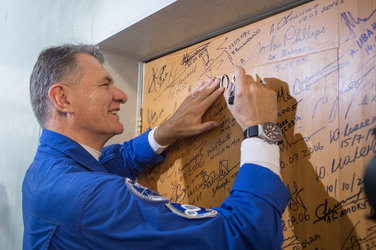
(271, 132)
(263, 132)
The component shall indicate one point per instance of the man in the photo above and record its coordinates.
(77, 194)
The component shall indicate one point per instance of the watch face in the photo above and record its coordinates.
(272, 131)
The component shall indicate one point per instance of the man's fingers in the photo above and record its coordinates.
(206, 126)
(227, 91)
(206, 85)
(240, 80)
(200, 84)
(250, 79)
(203, 89)
(258, 79)
(208, 88)
(213, 96)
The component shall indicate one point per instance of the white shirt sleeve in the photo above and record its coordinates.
(95, 153)
(158, 149)
(257, 151)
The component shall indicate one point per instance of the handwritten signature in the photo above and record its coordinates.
(301, 86)
(209, 179)
(327, 213)
(192, 56)
(350, 22)
(354, 242)
(296, 200)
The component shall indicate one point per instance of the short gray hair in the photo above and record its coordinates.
(54, 64)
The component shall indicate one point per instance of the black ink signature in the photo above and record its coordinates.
(173, 77)
(354, 242)
(178, 193)
(158, 78)
(308, 138)
(197, 161)
(296, 243)
(296, 199)
(213, 177)
(284, 96)
(325, 212)
(286, 144)
(291, 241)
(209, 63)
(192, 55)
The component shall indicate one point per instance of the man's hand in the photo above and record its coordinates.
(254, 103)
(187, 120)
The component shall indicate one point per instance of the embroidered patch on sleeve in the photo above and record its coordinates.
(143, 192)
(190, 211)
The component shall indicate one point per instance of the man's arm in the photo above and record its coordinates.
(129, 159)
(255, 104)
(249, 218)
(116, 215)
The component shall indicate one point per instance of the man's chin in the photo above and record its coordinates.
(119, 130)
(115, 130)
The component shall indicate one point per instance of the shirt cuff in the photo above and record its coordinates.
(158, 149)
(257, 151)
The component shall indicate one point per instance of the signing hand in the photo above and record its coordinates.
(254, 103)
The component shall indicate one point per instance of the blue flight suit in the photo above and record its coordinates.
(72, 201)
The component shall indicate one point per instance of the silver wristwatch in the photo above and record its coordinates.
(268, 131)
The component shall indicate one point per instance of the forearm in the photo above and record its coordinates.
(254, 208)
(130, 158)
(258, 197)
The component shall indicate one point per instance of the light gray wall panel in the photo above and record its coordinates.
(26, 27)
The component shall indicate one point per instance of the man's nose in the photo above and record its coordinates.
(119, 96)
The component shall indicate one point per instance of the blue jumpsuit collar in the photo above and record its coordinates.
(72, 149)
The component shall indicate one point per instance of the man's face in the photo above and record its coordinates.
(96, 100)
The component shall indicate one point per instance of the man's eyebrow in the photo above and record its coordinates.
(108, 79)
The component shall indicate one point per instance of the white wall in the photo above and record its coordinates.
(26, 27)
(124, 70)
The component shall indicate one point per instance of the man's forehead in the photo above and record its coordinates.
(91, 65)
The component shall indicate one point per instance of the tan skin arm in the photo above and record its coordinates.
(254, 103)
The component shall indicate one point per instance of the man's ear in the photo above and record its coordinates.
(59, 96)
